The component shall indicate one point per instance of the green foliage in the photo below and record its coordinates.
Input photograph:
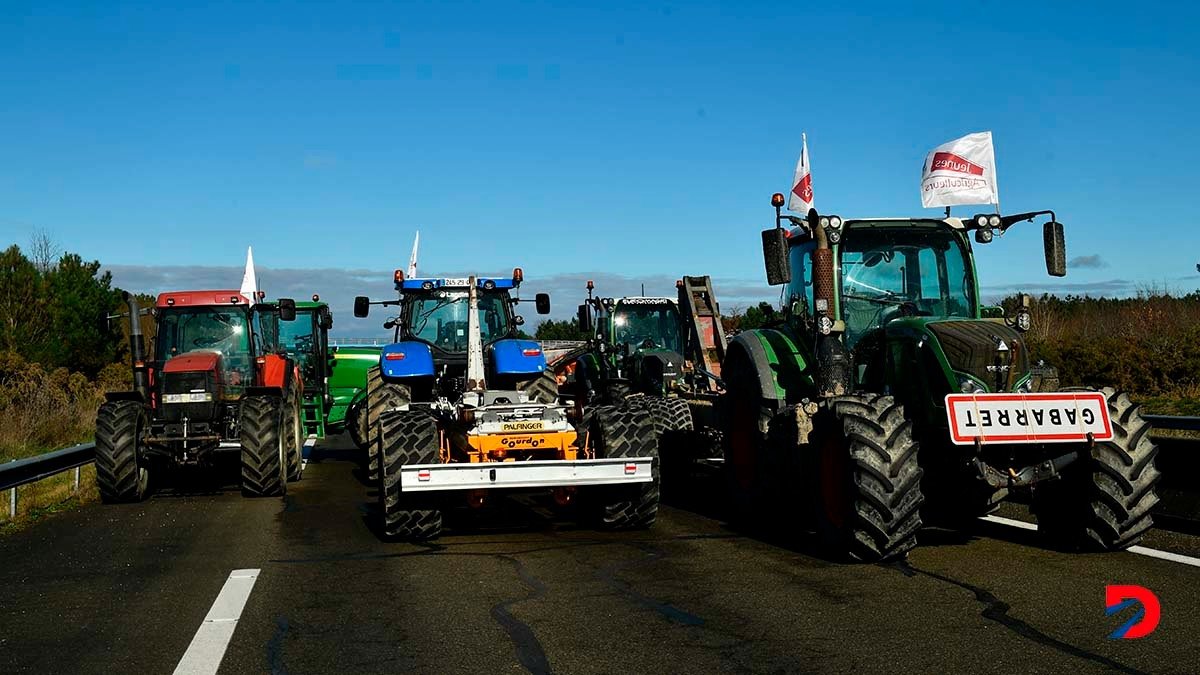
(755, 316)
(566, 329)
(55, 316)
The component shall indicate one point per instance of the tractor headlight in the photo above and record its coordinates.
(824, 222)
(981, 220)
(825, 325)
(1023, 321)
(994, 220)
(835, 222)
(984, 235)
(834, 236)
(969, 386)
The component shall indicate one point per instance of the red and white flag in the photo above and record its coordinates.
(802, 195)
(962, 171)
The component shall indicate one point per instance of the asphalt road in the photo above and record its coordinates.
(521, 588)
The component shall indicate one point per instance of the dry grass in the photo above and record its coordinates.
(40, 411)
(1148, 345)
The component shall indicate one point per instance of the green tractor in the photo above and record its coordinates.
(335, 377)
(889, 388)
(658, 353)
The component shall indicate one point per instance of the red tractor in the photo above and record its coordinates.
(217, 381)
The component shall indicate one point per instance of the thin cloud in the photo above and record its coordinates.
(338, 287)
(1088, 262)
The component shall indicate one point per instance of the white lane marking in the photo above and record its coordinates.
(204, 654)
(1140, 550)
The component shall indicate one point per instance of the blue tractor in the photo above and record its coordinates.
(460, 405)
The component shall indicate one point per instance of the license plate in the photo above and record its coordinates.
(1028, 418)
(521, 427)
(202, 397)
(462, 281)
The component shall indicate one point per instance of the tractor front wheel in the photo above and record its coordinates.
(622, 432)
(356, 424)
(868, 482)
(1103, 501)
(121, 475)
(264, 446)
(407, 437)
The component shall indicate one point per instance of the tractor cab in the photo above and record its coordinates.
(306, 341)
(432, 336)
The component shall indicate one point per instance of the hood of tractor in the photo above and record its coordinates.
(191, 362)
(989, 352)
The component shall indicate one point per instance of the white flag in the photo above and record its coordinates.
(249, 278)
(412, 260)
(802, 195)
(962, 171)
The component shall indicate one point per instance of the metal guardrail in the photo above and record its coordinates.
(1173, 422)
(31, 469)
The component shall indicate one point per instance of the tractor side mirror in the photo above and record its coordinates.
(775, 255)
(1056, 249)
(287, 309)
(389, 324)
(584, 317)
(542, 302)
(362, 306)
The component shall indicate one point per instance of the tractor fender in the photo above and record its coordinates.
(517, 357)
(782, 369)
(406, 359)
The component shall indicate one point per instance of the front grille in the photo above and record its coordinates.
(972, 347)
(185, 383)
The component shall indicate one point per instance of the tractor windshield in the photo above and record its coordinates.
(216, 329)
(440, 318)
(297, 336)
(645, 325)
(907, 270)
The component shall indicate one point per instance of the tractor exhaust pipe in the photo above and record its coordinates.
(137, 346)
(833, 363)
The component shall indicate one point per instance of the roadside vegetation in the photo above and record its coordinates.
(57, 358)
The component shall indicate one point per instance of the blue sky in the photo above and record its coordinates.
(641, 141)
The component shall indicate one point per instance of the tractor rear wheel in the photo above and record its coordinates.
(745, 438)
(264, 443)
(408, 437)
(667, 414)
(121, 475)
(1103, 501)
(622, 431)
(356, 424)
(294, 442)
(868, 482)
(381, 397)
(543, 388)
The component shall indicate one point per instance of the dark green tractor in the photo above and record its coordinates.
(895, 395)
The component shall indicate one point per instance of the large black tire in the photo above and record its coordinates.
(667, 414)
(121, 474)
(543, 388)
(356, 424)
(408, 437)
(381, 397)
(293, 442)
(622, 431)
(264, 441)
(868, 479)
(1103, 501)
